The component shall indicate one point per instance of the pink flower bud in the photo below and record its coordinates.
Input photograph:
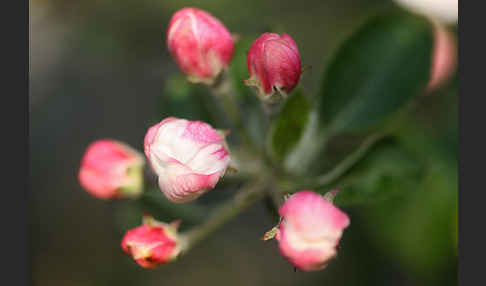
(111, 169)
(444, 57)
(273, 64)
(188, 156)
(310, 230)
(200, 44)
(152, 243)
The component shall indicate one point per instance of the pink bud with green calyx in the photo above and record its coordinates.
(111, 169)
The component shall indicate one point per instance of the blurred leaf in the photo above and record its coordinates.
(419, 229)
(336, 150)
(387, 171)
(250, 105)
(238, 68)
(186, 100)
(253, 121)
(289, 125)
(156, 204)
(375, 72)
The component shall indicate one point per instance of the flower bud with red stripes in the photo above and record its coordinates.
(188, 156)
(200, 44)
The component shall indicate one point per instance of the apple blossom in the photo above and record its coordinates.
(188, 156)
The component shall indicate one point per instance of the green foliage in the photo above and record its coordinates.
(183, 99)
(249, 104)
(387, 171)
(238, 67)
(289, 125)
(375, 72)
(418, 230)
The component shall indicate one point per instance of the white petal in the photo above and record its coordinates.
(210, 159)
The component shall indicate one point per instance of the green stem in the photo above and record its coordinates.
(223, 90)
(276, 197)
(155, 203)
(287, 186)
(248, 195)
(350, 161)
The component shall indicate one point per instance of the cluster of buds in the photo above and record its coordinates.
(309, 230)
(203, 48)
(189, 157)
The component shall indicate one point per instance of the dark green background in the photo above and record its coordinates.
(98, 69)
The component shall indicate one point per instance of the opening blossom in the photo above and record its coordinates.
(200, 44)
(310, 230)
(152, 243)
(273, 65)
(111, 169)
(188, 156)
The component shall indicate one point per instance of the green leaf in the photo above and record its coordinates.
(386, 172)
(375, 72)
(250, 105)
(238, 69)
(418, 230)
(288, 127)
(186, 100)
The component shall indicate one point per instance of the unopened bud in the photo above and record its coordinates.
(111, 169)
(200, 44)
(188, 156)
(152, 243)
(273, 65)
(310, 230)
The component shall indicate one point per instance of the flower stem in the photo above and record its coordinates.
(339, 170)
(248, 195)
(156, 204)
(349, 161)
(224, 90)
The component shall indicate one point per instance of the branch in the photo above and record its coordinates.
(224, 91)
(288, 186)
(153, 201)
(248, 195)
(349, 161)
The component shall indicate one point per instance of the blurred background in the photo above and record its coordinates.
(100, 69)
